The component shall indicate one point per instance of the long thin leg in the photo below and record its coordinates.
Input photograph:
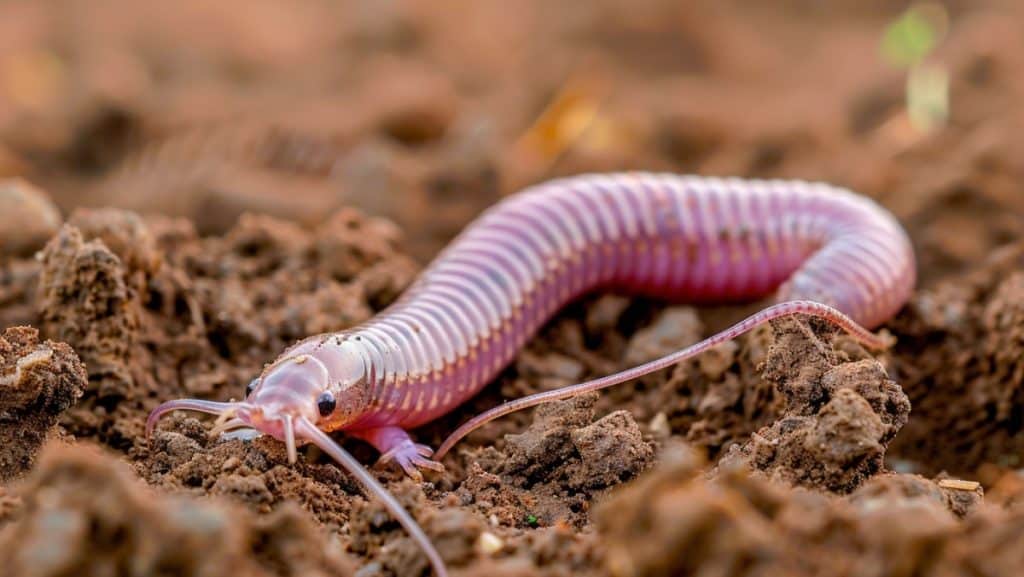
(785, 309)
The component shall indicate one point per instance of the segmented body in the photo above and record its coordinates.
(679, 238)
(823, 251)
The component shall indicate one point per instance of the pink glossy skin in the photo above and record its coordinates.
(823, 251)
(686, 239)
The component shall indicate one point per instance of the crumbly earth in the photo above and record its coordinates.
(38, 382)
(84, 513)
(229, 181)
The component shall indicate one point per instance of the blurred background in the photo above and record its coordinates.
(427, 112)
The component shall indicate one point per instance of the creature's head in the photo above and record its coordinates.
(323, 382)
(320, 382)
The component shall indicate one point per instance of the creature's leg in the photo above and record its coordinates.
(395, 445)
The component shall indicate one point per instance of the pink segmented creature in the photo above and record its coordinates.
(823, 251)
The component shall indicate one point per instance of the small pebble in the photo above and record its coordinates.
(558, 367)
(659, 426)
(28, 218)
(674, 329)
(371, 569)
(715, 362)
(604, 313)
(488, 543)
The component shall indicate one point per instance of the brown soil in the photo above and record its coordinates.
(38, 382)
(209, 184)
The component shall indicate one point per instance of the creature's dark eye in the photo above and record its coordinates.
(251, 387)
(326, 403)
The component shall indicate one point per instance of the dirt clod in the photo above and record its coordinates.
(612, 450)
(86, 299)
(547, 474)
(839, 416)
(564, 442)
(85, 514)
(962, 348)
(674, 521)
(38, 382)
(675, 328)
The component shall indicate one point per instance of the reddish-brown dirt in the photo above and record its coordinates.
(38, 382)
(188, 190)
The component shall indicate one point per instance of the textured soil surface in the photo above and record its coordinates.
(184, 192)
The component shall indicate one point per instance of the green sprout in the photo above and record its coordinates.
(531, 520)
(907, 43)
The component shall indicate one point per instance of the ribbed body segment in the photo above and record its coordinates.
(679, 238)
(820, 250)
